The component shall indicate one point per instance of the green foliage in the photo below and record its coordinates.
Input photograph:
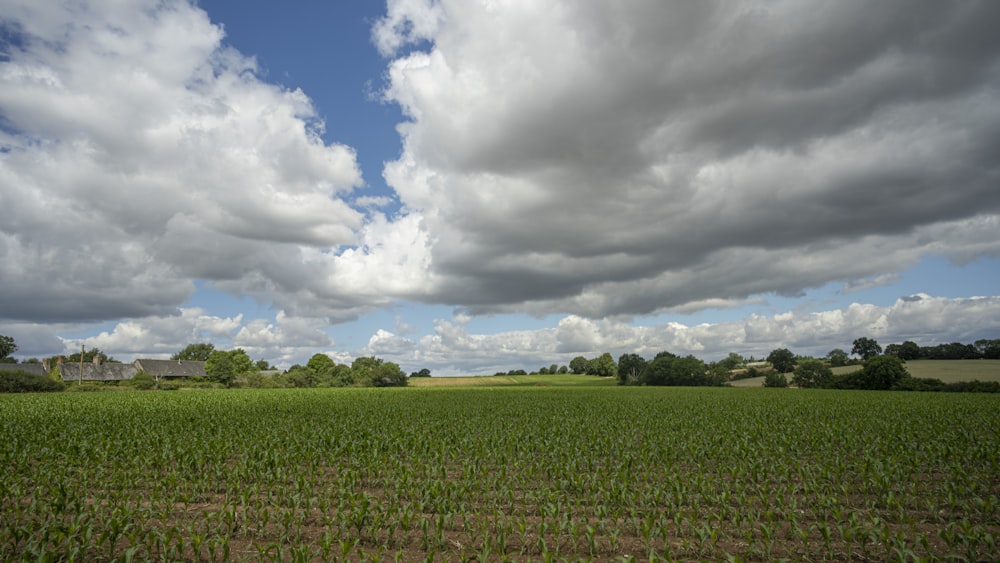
(782, 360)
(225, 367)
(837, 357)
(196, 352)
(19, 381)
(672, 370)
(972, 387)
(732, 361)
(603, 366)
(775, 379)
(423, 373)
(906, 351)
(883, 372)
(579, 365)
(143, 381)
(988, 349)
(812, 374)
(7, 346)
(388, 374)
(630, 368)
(866, 348)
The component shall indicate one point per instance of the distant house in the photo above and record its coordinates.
(111, 371)
(172, 368)
(95, 371)
(36, 369)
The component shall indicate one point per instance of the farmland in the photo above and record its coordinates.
(948, 371)
(526, 473)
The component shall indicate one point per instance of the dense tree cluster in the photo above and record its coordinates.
(980, 349)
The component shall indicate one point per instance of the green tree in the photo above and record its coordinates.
(262, 365)
(225, 367)
(988, 349)
(882, 372)
(321, 367)
(422, 373)
(198, 352)
(782, 360)
(604, 366)
(672, 370)
(812, 373)
(837, 357)
(909, 350)
(579, 364)
(630, 367)
(731, 362)
(388, 374)
(866, 348)
(301, 376)
(7, 346)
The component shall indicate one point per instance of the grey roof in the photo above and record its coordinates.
(172, 368)
(36, 369)
(70, 371)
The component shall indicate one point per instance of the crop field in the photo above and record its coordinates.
(500, 473)
(948, 371)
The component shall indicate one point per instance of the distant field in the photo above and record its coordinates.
(948, 371)
(565, 380)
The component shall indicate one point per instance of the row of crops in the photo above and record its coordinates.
(523, 474)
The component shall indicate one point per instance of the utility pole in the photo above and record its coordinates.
(81, 363)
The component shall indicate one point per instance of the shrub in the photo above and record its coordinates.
(883, 372)
(775, 379)
(972, 387)
(919, 384)
(143, 381)
(19, 381)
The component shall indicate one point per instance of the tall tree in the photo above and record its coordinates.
(837, 357)
(198, 352)
(7, 346)
(604, 366)
(579, 364)
(866, 347)
(225, 367)
(782, 360)
(630, 367)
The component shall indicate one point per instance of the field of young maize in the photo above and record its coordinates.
(523, 474)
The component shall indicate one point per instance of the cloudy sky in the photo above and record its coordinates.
(476, 186)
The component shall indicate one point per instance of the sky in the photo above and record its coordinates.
(480, 186)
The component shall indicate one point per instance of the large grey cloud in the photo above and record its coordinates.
(625, 158)
(138, 153)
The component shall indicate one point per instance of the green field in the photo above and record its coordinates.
(948, 371)
(523, 473)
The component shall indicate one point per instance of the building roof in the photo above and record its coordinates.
(111, 371)
(36, 369)
(172, 368)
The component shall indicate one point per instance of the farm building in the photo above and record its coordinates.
(36, 369)
(112, 371)
(172, 368)
(95, 371)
